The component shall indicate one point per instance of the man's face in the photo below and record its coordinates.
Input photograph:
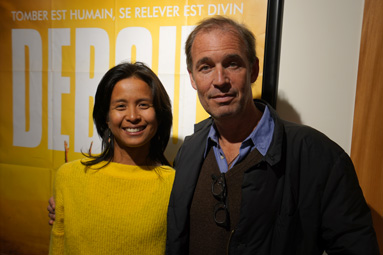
(221, 73)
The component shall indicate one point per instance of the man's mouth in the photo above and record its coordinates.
(222, 97)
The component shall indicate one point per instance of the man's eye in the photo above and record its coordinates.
(204, 68)
(233, 64)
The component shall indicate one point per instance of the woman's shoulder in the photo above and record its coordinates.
(70, 167)
(167, 172)
(73, 163)
(167, 168)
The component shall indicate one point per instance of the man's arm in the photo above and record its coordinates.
(346, 219)
(56, 213)
(51, 209)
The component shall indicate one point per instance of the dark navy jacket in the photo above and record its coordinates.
(303, 198)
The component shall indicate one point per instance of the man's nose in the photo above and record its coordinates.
(220, 76)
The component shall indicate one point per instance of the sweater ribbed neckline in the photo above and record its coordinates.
(123, 170)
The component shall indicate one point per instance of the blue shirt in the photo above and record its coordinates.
(259, 138)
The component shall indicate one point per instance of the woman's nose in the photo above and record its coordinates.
(132, 114)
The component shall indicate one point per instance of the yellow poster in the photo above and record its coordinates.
(53, 54)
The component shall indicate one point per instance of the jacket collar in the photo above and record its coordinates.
(274, 154)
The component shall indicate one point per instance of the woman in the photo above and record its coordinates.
(116, 202)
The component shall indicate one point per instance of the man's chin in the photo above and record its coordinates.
(224, 114)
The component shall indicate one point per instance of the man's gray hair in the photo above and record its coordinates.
(225, 24)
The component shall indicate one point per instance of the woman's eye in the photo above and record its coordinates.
(120, 107)
(144, 106)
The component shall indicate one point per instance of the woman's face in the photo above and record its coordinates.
(132, 117)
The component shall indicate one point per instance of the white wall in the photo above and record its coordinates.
(319, 65)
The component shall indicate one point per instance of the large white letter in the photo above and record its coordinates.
(134, 36)
(57, 85)
(167, 58)
(188, 96)
(86, 86)
(30, 38)
(166, 73)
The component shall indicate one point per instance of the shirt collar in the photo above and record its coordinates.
(259, 138)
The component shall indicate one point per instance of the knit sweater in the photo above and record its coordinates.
(118, 209)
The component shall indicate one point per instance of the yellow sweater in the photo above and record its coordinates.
(119, 209)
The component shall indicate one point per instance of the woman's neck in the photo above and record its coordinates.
(132, 156)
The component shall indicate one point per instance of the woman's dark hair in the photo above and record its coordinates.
(161, 103)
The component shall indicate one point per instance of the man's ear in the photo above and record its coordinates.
(192, 80)
(255, 70)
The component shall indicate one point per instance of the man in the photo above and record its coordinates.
(248, 182)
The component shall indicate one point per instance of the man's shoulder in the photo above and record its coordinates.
(206, 123)
(309, 140)
(201, 129)
(305, 132)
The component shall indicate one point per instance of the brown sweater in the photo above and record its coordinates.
(206, 237)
